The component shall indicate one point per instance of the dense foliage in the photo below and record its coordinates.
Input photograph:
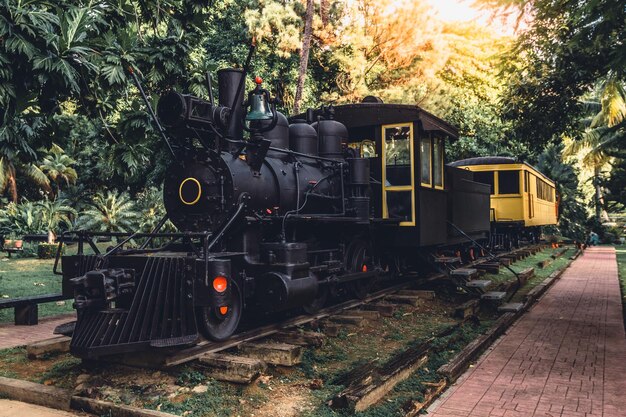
(74, 130)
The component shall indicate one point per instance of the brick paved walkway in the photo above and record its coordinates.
(566, 357)
(12, 335)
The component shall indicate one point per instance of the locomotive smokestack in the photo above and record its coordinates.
(228, 82)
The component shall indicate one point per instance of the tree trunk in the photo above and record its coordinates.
(304, 54)
(324, 6)
(13, 188)
(601, 214)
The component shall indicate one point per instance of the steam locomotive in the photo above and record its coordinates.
(273, 214)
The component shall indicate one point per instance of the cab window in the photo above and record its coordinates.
(425, 155)
(438, 162)
(398, 156)
(365, 148)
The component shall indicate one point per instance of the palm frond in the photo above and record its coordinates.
(37, 175)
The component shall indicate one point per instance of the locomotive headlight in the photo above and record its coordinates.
(189, 191)
(220, 284)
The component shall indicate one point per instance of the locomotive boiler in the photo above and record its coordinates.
(272, 214)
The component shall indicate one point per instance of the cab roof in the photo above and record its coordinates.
(378, 113)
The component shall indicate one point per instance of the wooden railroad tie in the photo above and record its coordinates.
(349, 318)
(467, 309)
(231, 368)
(413, 408)
(507, 261)
(491, 267)
(370, 387)
(59, 344)
(404, 299)
(370, 382)
(558, 253)
(545, 263)
(370, 315)
(384, 309)
(300, 338)
(426, 295)
(526, 274)
(455, 367)
(273, 353)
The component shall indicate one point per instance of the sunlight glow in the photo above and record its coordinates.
(464, 10)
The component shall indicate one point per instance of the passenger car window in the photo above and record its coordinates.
(508, 182)
(544, 191)
(486, 177)
(526, 180)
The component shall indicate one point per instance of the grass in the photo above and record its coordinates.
(171, 391)
(621, 268)
(23, 277)
(532, 262)
(413, 388)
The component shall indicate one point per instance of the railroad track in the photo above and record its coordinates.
(156, 359)
(364, 385)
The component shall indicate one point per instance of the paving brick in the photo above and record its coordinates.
(565, 357)
(12, 335)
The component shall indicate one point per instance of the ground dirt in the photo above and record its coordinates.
(303, 390)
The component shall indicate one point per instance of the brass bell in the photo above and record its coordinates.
(259, 109)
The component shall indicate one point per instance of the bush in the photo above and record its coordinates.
(47, 250)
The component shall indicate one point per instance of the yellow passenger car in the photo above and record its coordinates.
(522, 198)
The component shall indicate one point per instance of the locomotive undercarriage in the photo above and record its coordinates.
(131, 299)
(513, 235)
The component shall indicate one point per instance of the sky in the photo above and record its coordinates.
(462, 10)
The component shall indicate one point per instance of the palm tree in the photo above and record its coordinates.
(605, 130)
(19, 219)
(572, 214)
(57, 165)
(16, 154)
(113, 212)
(53, 213)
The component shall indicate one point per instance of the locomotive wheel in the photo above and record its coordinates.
(359, 259)
(219, 323)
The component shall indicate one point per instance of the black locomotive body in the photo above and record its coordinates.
(275, 219)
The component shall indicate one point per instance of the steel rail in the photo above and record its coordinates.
(195, 352)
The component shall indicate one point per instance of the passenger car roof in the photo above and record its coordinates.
(495, 160)
(485, 160)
